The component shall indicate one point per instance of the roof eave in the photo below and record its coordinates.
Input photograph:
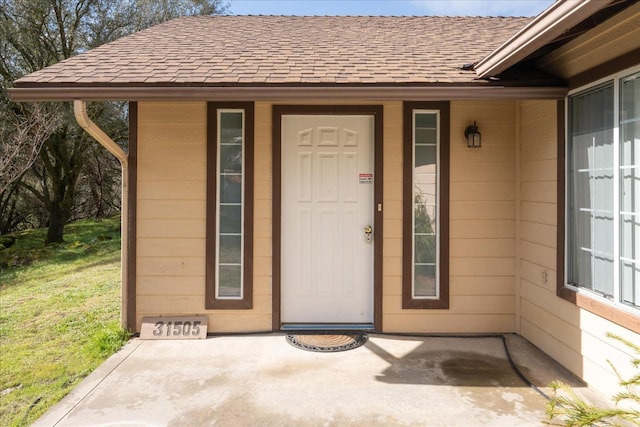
(278, 93)
(551, 23)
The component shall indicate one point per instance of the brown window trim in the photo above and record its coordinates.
(246, 302)
(132, 196)
(581, 299)
(408, 302)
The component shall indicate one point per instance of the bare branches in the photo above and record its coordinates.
(43, 154)
(21, 137)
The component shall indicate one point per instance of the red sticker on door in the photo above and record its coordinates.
(366, 178)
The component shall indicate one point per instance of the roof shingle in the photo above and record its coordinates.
(292, 50)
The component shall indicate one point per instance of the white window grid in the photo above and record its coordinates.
(414, 144)
(616, 298)
(220, 174)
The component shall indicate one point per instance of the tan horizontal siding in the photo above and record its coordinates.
(167, 247)
(534, 273)
(484, 172)
(463, 304)
(539, 212)
(491, 285)
(481, 209)
(534, 232)
(533, 170)
(170, 285)
(470, 248)
(482, 191)
(175, 265)
(567, 356)
(419, 321)
(172, 216)
(168, 171)
(539, 191)
(572, 336)
(541, 255)
(478, 266)
(174, 190)
(177, 228)
(171, 209)
(172, 224)
(482, 227)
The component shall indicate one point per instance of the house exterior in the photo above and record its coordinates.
(315, 172)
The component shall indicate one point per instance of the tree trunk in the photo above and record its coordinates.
(57, 220)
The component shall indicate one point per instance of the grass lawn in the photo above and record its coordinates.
(59, 315)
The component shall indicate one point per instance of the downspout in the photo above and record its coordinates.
(80, 111)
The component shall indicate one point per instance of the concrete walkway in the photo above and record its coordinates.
(261, 380)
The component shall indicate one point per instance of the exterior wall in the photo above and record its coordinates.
(482, 226)
(172, 220)
(171, 208)
(574, 337)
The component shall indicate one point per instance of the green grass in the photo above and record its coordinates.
(59, 315)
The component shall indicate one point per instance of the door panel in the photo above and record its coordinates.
(327, 201)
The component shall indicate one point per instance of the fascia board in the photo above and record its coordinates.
(271, 93)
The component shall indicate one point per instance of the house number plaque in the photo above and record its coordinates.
(174, 328)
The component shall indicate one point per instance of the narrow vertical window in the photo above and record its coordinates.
(425, 208)
(426, 183)
(230, 182)
(229, 205)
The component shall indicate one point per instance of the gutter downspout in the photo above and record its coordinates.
(80, 111)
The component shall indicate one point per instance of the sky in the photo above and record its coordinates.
(390, 7)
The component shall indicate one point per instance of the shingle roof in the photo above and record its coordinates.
(291, 50)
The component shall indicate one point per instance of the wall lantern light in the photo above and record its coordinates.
(473, 136)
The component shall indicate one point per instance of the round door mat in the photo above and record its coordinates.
(323, 342)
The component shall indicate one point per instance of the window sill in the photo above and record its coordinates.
(229, 304)
(601, 308)
(423, 304)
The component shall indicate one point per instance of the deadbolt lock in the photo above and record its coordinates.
(368, 231)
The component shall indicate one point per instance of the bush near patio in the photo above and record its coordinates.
(567, 408)
(59, 314)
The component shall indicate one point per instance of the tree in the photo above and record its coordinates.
(21, 137)
(38, 33)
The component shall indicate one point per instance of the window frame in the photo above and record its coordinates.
(245, 302)
(611, 309)
(441, 300)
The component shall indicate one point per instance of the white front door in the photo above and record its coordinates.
(327, 205)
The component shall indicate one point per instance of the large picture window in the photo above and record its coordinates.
(603, 190)
(426, 200)
(229, 205)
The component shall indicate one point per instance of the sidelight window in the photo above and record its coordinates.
(426, 154)
(229, 205)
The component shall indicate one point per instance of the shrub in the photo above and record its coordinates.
(566, 408)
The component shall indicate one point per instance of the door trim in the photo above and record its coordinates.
(376, 111)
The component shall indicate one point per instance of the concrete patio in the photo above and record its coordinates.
(261, 380)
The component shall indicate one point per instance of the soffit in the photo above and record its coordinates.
(612, 39)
